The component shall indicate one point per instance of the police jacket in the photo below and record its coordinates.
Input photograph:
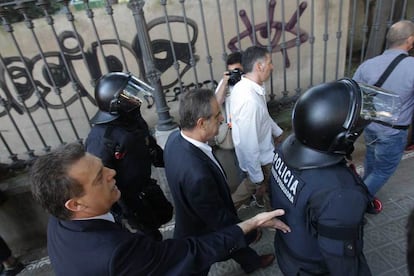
(127, 147)
(324, 208)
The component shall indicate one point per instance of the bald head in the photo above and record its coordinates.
(399, 34)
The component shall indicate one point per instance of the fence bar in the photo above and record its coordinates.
(71, 19)
(176, 65)
(403, 10)
(325, 39)
(253, 23)
(269, 18)
(12, 155)
(9, 29)
(223, 44)
(390, 19)
(351, 39)
(297, 42)
(236, 18)
(375, 28)
(110, 12)
(26, 110)
(338, 39)
(29, 23)
(284, 51)
(192, 59)
(30, 152)
(90, 15)
(209, 59)
(44, 5)
(364, 32)
(312, 42)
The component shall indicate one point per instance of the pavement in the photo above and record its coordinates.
(384, 238)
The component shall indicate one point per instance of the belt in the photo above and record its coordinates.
(399, 127)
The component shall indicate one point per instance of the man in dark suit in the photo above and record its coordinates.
(83, 239)
(198, 185)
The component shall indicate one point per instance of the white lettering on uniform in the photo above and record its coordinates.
(284, 178)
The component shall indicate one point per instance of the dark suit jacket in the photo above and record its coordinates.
(201, 195)
(100, 247)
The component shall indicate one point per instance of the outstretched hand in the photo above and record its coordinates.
(268, 219)
(265, 219)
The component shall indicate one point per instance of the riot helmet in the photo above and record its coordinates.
(117, 93)
(328, 118)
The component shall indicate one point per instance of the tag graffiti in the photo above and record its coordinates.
(284, 178)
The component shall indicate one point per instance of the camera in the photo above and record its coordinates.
(235, 76)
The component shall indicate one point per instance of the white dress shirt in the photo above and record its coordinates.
(252, 128)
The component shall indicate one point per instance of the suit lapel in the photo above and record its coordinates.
(199, 153)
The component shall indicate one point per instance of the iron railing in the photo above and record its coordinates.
(48, 69)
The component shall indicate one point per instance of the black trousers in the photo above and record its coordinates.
(5, 251)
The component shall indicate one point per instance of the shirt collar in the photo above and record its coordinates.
(259, 89)
(108, 216)
(196, 143)
(398, 51)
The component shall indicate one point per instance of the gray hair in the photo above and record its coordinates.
(251, 55)
(399, 32)
(194, 104)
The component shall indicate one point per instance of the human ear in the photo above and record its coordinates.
(260, 66)
(73, 205)
(201, 123)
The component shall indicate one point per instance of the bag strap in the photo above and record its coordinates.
(389, 69)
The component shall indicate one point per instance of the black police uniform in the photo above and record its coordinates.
(324, 208)
(5, 251)
(126, 145)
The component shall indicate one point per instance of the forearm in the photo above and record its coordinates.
(221, 91)
(265, 219)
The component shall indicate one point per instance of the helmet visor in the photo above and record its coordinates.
(135, 92)
(379, 104)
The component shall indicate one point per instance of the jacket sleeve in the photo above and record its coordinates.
(203, 192)
(142, 256)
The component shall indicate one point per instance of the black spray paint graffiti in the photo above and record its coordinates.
(276, 27)
(163, 58)
(19, 71)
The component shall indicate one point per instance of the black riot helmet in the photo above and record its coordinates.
(328, 118)
(117, 93)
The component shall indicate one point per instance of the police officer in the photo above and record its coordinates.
(324, 199)
(121, 138)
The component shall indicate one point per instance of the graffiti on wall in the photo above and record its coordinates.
(34, 92)
(264, 31)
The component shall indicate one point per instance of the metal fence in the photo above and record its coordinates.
(46, 97)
